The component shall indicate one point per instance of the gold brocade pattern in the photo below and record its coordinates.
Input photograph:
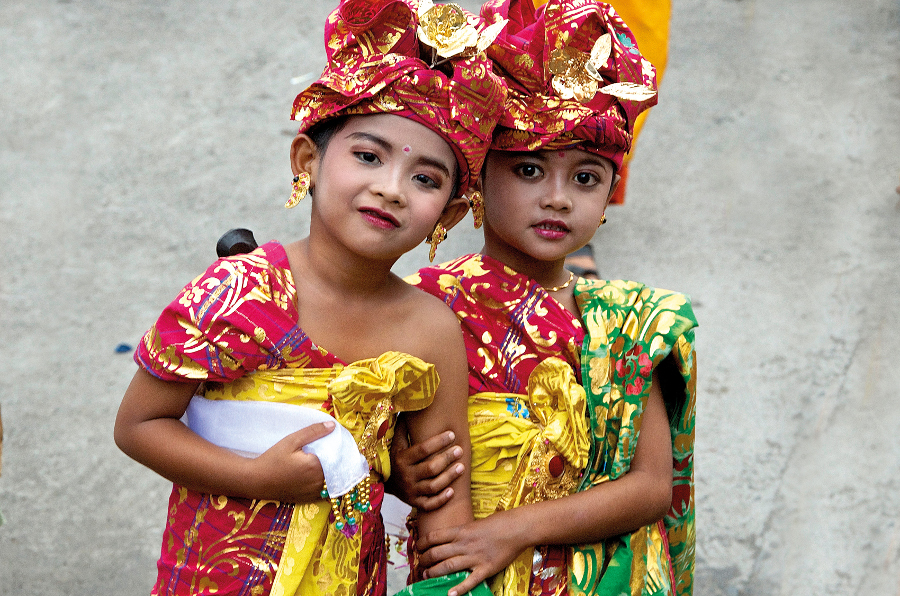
(364, 397)
(518, 460)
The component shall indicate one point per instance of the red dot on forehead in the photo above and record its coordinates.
(562, 153)
(407, 148)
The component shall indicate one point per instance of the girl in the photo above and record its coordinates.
(388, 140)
(581, 402)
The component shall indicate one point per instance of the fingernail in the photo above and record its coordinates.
(451, 435)
(459, 468)
(457, 452)
(452, 593)
(329, 423)
(449, 492)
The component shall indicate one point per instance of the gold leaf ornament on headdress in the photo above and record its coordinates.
(445, 28)
(576, 75)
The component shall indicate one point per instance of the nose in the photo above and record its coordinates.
(389, 186)
(555, 196)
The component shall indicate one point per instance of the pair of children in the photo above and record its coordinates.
(562, 374)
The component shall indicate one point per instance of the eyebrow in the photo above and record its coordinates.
(387, 146)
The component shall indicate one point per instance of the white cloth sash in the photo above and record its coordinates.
(251, 427)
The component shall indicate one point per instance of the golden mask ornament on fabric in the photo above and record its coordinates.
(301, 187)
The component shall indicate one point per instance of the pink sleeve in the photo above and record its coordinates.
(239, 315)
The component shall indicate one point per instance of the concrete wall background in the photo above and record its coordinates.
(132, 134)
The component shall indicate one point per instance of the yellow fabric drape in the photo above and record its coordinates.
(518, 460)
(362, 396)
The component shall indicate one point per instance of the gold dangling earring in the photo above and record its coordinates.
(602, 220)
(437, 236)
(301, 187)
(476, 202)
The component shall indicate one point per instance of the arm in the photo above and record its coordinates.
(149, 431)
(640, 497)
(448, 412)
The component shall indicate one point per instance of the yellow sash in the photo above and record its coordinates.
(364, 397)
(518, 460)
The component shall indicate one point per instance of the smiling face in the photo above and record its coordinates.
(540, 206)
(380, 186)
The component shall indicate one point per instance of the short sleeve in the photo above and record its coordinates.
(239, 315)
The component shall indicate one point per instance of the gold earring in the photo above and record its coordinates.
(437, 236)
(476, 202)
(301, 187)
(602, 220)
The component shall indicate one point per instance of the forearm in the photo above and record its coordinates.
(458, 510)
(172, 450)
(609, 509)
(149, 430)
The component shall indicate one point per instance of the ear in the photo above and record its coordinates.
(454, 211)
(612, 190)
(304, 157)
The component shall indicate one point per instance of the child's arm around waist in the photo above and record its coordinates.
(149, 431)
(640, 497)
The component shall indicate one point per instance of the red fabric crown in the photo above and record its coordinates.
(376, 64)
(570, 84)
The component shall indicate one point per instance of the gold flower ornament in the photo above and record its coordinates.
(576, 74)
(444, 28)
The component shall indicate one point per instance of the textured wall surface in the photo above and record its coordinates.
(133, 133)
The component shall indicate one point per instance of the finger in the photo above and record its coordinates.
(400, 442)
(433, 503)
(309, 434)
(434, 538)
(449, 565)
(422, 451)
(443, 462)
(467, 585)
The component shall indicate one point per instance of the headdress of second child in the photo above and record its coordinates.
(575, 76)
(414, 59)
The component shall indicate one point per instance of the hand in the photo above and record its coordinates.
(486, 547)
(288, 474)
(421, 475)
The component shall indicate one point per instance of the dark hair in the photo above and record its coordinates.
(323, 131)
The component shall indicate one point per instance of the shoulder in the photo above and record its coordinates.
(429, 325)
(625, 295)
(442, 279)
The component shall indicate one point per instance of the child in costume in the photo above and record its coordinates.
(581, 405)
(318, 334)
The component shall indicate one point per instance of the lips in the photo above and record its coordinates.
(551, 229)
(379, 218)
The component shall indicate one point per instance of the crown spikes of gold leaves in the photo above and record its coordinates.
(577, 74)
(444, 28)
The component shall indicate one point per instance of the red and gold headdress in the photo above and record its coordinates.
(575, 76)
(415, 59)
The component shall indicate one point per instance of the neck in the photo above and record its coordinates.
(548, 274)
(329, 268)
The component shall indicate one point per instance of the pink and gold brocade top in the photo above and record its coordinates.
(235, 328)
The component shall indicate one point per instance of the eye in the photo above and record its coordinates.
(529, 170)
(427, 181)
(367, 157)
(587, 178)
